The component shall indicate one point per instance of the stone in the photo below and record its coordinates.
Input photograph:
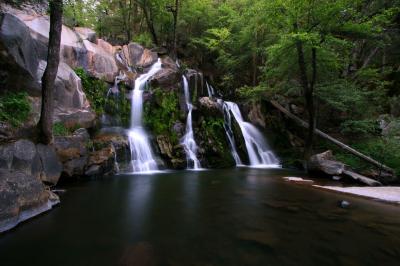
(256, 116)
(24, 152)
(22, 196)
(298, 180)
(209, 107)
(134, 53)
(76, 117)
(344, 204)
(51, 166)
(73, 153)
(86, 34)
(325, 163)
(18, 57)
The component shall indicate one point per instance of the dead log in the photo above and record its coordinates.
(331, 139)
(361, 178)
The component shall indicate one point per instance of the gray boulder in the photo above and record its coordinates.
(18, 56)
(22, 196)
(325, 163)
(51, 166)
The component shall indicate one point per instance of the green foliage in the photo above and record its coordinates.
(60, 130)
(143, 39)
(14, 108)
(360, 127)
(213, 128)
(382, 149)
(160, 114)
(94, 89)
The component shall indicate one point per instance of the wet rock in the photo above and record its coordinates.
(76, 117)
(209, 107)
(72, 151)
(51, 166)
(179, 129)
(344, 204)
(168, 76)
(325, 163)
(101, 162)
(256, 116)
(22, 196)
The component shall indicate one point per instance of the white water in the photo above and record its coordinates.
(210, 90)
(142, 159)
(259, 153)
(229, 132)
(188, 141)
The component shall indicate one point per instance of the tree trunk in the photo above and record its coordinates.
(45, 125)
(308, 92)
(175, 14)
(149, 20)
(333, 140)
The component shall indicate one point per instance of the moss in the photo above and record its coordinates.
(14, 108)
(60, 130)
(214, 140)
(94, 89)
(161, 113)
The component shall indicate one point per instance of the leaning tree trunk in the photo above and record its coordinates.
(45, 125)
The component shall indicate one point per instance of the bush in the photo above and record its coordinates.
(14, 108)
(60, 130)
(143, 39)
(95, 90)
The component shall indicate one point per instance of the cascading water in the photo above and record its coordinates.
(142, 159)
(229, 132)
(210, 90)
(188, 141)
(259, 153)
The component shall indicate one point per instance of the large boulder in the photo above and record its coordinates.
(22, 196)
(73, 152)
(18, 57)
(25, 157)
(137, 56)
(209, 107)
(86, 34)
(325, 163)
(168, 76)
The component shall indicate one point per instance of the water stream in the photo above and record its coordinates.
(188, 140)
(142, 158)
(260, 155)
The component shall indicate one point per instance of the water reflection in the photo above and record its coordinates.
(222, 217)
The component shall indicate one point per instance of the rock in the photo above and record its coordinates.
(165, 146)
(179, 129)
(72, 151)
(196, 83)
(22, 196)
(344, 204)
(51, 166)
(298, 180)
(209, 107)
(73, 118)
(93, 170)
(86, 34)
(100, 63)
(68, 88)
(256, 116)
(24, 156)
(392, 129)
(18, 58)
(325, 163)
(168, 76)
(138, 56)
(101, 161)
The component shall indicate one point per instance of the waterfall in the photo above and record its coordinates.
(229, 131)
(210, 90)
(142, 159)
(188, 141)
(260, 155)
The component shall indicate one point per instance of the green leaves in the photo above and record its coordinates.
(14, 108)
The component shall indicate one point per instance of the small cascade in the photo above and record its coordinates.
(116, 164)
(260, 155)
(229, 131)
(210, 90)
(113, 95)
(142, 159)
(188, 141)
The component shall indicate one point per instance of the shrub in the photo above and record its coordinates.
(14, 108)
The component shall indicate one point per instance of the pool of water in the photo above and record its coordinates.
(221, 217)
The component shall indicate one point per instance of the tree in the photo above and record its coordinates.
(45, 125)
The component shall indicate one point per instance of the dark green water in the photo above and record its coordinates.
(221, 217)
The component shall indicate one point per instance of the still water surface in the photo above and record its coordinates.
(220, 217)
